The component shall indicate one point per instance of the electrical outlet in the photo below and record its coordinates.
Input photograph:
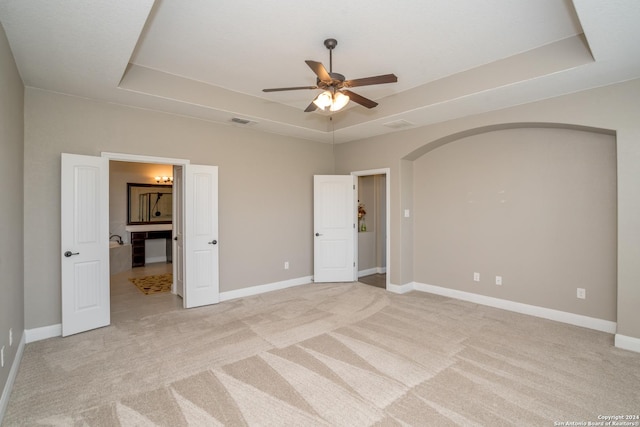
(581, 293)
(10, 337)
(476, 277)
(286, 265)
(499, 280)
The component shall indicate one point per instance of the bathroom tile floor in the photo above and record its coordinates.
(377, 280)
(128, 303)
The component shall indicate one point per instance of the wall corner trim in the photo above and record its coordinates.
(627, 343)
(13, 373)
(531, 310)
(43, 333)
(261, 289)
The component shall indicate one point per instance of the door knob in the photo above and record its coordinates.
(213, 242)
(69, 253)
(318, 234)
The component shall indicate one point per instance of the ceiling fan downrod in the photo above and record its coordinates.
(330, 44)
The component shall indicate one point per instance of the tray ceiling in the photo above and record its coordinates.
(211, 60)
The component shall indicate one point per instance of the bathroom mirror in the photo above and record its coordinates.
(149, 204)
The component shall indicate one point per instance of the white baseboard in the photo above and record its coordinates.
(627, 343)
(6, 392)
(43, 333)
(532, 310)
(155, 259)
(400, 289)
(367, 272)
(370, 271)
(260, 289)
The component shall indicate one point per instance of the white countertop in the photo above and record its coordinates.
(149, 227)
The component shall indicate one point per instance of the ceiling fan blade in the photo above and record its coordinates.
(319, 69)
(280, 89)
(376, 80)
(365, 102)
(311, 107)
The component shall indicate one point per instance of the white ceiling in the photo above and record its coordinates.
(211, 59)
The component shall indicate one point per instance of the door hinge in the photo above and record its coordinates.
(354, 186)
(354, 263)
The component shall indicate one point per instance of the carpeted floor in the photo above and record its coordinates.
(327, 354)
(154, 284)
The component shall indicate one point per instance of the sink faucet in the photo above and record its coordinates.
(120, 242)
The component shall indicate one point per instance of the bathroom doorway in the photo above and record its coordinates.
(84, 199)
(153, 257)
(373, 246)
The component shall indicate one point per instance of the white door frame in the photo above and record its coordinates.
(177, 247)
(387, 173)
(136, 158)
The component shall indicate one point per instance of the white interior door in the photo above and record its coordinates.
(334, 228)
(84, 239)
(178, 231)
(201, 285)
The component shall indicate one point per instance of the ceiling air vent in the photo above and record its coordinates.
(239, 121)
(399, 124)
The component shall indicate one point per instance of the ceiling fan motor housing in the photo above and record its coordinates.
(337, 81)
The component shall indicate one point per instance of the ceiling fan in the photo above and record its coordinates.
(336, 94)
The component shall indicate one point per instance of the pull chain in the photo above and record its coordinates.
(333, 142)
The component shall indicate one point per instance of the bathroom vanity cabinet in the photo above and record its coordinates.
(138, 239)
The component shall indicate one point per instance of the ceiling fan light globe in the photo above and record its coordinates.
(340, 100)
(323, 100)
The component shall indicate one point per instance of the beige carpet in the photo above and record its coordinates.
(154, 284)
(334, 354)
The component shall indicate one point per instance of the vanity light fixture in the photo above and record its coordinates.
(164, 179)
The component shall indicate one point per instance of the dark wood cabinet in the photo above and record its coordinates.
(137, 245)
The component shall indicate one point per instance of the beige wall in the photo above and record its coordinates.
(254, 252)
(11, 208)
(265, 188)
(534, 206)
(613, 108)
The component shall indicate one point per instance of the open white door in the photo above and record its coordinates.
(200, 241)
(84, 239)
(178, 231)
(334, 228)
